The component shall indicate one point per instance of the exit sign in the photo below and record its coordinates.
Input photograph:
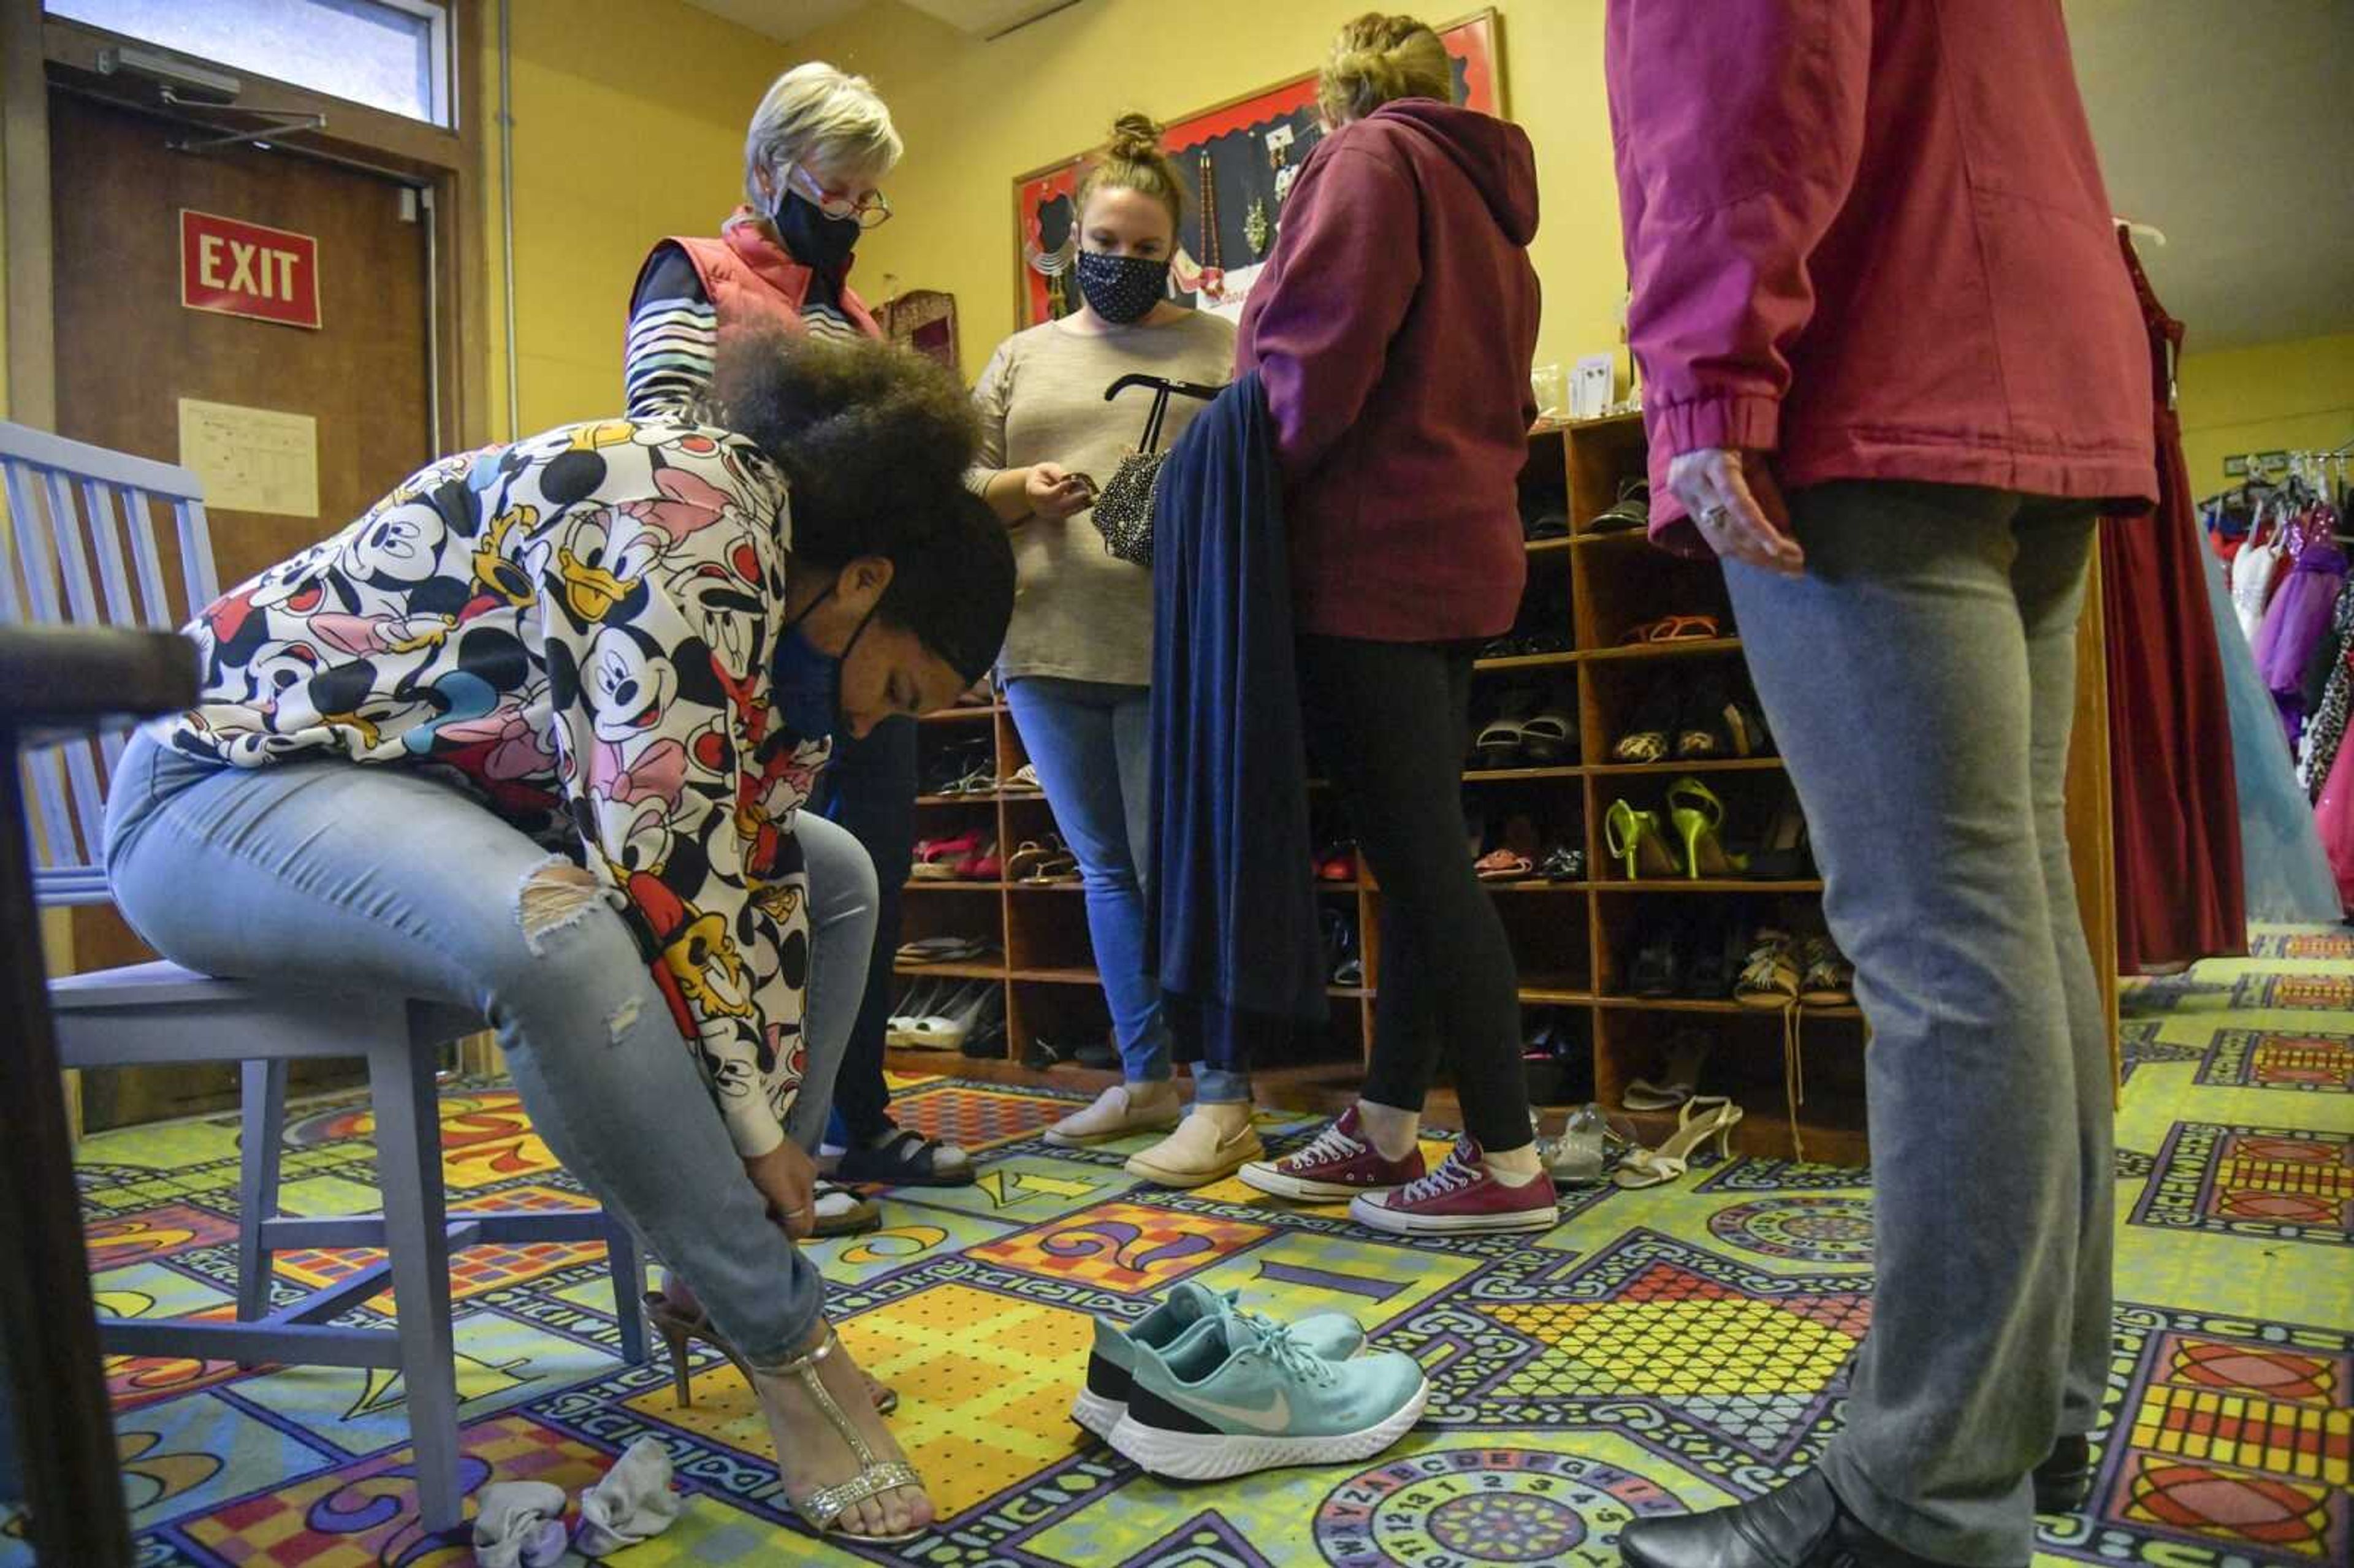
(245, 270)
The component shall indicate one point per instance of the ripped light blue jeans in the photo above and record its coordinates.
(330, 873)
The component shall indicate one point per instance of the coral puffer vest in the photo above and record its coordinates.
(754, 282)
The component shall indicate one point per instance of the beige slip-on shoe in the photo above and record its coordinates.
(1195, 1155)
(1120, 1110)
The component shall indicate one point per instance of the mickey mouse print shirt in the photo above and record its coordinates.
(576, 630)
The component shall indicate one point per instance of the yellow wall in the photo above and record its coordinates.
(2275, 396)
(629, 119)
(976, 114)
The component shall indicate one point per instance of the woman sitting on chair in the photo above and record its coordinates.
(532, 736)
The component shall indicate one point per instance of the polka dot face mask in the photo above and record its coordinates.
(1122, 288)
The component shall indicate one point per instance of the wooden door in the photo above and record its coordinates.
(128, 351)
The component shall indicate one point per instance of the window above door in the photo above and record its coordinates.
(392, 55)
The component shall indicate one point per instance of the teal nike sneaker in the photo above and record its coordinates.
(1232, 1396)
(1111, 1367)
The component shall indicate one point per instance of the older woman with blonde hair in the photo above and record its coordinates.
(815, 153)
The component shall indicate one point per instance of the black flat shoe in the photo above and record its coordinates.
(1800, 1526)
(2064, 1479)
(1658, 966)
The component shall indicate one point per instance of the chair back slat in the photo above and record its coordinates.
(151, 567)
(47, 580)
(98, 500)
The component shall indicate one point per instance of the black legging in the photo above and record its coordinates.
(870, 788)
(1388, 721)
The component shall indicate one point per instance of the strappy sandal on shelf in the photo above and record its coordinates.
(681, 1324)
(1033, 853)
(1702, 1119)
(823, 1507)
(1698, 817)
(1638, 841)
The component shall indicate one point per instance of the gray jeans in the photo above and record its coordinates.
(1921, 681)
(331, 874)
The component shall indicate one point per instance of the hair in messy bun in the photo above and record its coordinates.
(1377, 59)
(1132, 161)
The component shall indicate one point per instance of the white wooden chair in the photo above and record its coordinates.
(68, 504)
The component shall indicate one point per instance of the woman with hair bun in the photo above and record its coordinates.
(1392, 329)
(1078, 665)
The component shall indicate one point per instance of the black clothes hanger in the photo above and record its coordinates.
(1161, 389)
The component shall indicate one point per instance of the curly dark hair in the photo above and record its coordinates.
(875, 441)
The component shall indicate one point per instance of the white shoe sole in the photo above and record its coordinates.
(1221, 1456)
(1275, 1183)
(1096, 1413)
(1375, 1218)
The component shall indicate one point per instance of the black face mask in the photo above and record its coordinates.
(1122, 288)
(814, 239)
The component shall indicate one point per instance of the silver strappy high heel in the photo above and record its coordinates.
(1587, 1152)
(823, 1507)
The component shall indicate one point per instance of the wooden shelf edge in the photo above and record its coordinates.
(1642, 651)
(1561, 661)
(1706, 885)
(950, 971)
(1723, 1009)
(963, 714)
(1661, 769)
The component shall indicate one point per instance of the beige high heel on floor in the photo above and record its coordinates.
(1703, 1118)
(680, 1325)
(823, 1507)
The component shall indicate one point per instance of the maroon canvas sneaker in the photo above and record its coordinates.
(1340, 1164)
(1460, 1195)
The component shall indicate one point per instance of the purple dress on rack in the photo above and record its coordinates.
(2295, 624)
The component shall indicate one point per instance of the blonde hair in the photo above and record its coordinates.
(1132, 161)
(816, 114)
(1377, 59)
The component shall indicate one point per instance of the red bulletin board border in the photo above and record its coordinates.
(1473, 40)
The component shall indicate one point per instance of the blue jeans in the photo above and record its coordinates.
(330, 873)
(1090, 743)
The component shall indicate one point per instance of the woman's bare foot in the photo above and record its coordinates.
(811, 1455)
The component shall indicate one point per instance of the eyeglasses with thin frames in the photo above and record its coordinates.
(871, 210)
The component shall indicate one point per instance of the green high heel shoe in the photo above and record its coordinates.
(1698, 817)
(1638, 842)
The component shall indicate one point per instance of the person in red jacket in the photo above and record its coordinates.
(1893, 373)
(1393, 330)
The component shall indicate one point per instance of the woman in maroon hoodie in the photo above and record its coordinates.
(1893, 369)
(1393, 330)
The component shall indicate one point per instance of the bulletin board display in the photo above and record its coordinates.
(1238, 160)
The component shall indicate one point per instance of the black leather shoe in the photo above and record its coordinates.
(1800, 1526)
(2062, 1480)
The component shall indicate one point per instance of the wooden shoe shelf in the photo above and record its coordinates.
(1574, 943)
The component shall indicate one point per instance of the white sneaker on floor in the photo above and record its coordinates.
(1122, 1109)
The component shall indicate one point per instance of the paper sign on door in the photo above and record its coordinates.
(244, 269)
(253, 460)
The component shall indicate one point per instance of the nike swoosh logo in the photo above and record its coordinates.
(1273, 1418)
